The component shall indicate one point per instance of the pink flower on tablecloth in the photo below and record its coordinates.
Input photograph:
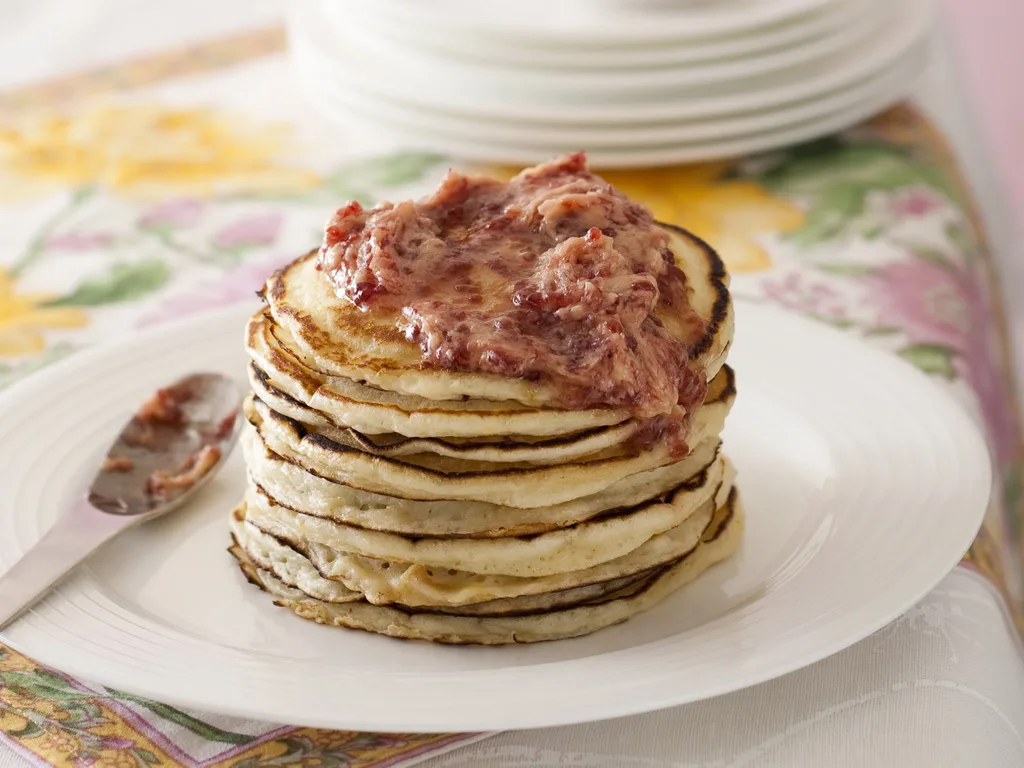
(944, 303)
(795, 292)
(176, 213)
(235, 285)
(117, 742)
(78, 241)
(931, 302)
(913, 202)
(249, 232)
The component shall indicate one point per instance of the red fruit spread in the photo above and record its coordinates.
(553, 276)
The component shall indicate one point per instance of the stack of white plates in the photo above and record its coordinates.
(633, 82)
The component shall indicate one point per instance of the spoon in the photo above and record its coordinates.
(172, 446)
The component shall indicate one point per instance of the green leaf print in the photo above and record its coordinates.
(360, 180)
(836, 322)
(931, 358)
(938, 258)
(30, 731)
(845, 270)
(35, 684)
(837, 178)
(122, 282)
(1013, 489)
(51, 677)
(389, 170)
(836, 205)
(37, 245)
(881, 331)
(81, 704)
(810, 170)
(962, 238)
(196, 726)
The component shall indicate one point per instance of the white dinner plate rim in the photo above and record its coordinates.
(868, 618)
(715, 72)
(597, 139)
(648, 56)
(497, 153)
(627, 31)
(309, 43)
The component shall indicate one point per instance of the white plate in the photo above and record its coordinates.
(586, 23)
(611, 81)
(424, 138)
(330, 92)
(471, 47)
(608, 81)
(311, 40)
(845, 456)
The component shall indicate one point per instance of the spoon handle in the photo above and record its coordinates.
(76, 535)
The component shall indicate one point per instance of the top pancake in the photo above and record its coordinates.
(368, 347)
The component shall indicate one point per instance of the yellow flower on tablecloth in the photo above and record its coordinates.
(730, 214)
(59, 741)
(146, 150)
(115, 759)
(23, 704)
(12, 661)
(16, 701)
(25, 316)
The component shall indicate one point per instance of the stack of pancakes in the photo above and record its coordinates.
(462, 507)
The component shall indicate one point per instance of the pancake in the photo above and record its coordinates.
(296, 400)
(721, 541)
(549, 601)
(368, 347)
(371, 410)
(296, 571)
(565, 549)
(383, 582)
(298, 487)
(430, 476)
(491, 415)
(352, 430)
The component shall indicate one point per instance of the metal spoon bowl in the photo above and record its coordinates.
(172, 446)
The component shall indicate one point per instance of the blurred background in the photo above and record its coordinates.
(968, 83)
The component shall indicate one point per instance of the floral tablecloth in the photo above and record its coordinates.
(160, 188)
